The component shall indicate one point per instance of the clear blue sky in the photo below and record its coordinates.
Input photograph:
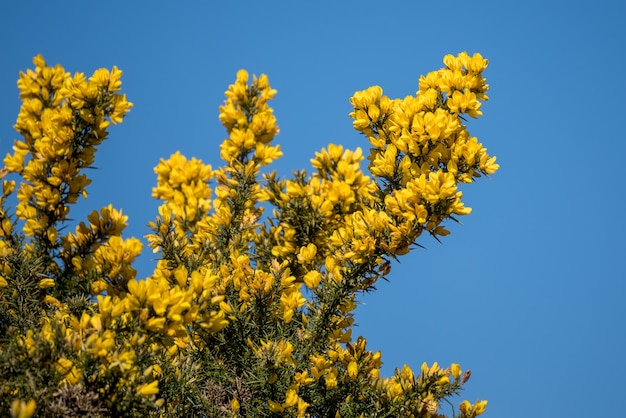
(529, 292)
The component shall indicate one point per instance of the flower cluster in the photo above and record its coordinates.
(62, 120)
(249, 121)
(422, 149)
(246, 313)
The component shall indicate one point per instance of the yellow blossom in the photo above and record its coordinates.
(234, 405)
(149, 389)
(22, 409)
(479, 407)
(456, 371)
(353, 369)
(64, 366)
(465, 407)
(275, 406)
(312, 279)
(46, 283)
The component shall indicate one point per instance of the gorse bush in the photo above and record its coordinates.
(248, 312)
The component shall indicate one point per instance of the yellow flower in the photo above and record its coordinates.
(290, 300)
(21, 409)
(64, 366)
(306, 254)
(149, 389)
(394, 390)
(465, 407)
(46, 283)
(456, 371)
(74, 376)
(234, 405)
(274, 406)
(443, 380)
(312, 279)
(302, 407)
(476, 63)
(407, 373)
(479, 407)
(291, 398)
(428, 371)
(331, 379)
(353, 369)
(98, 286)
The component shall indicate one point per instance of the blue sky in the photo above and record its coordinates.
(529, 292)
